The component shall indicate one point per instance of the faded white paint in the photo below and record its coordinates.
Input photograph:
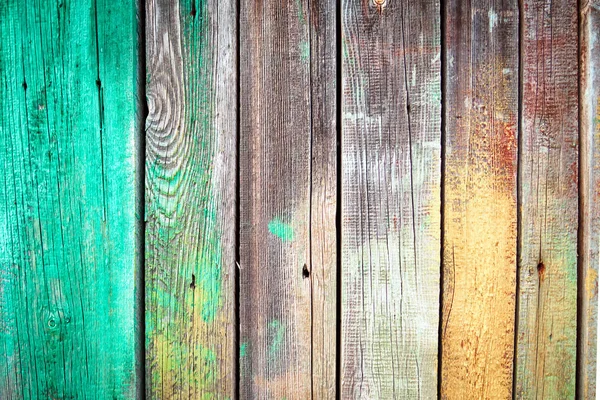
(493, 17)
(362, 117)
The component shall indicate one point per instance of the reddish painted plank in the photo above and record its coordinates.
(547, 322)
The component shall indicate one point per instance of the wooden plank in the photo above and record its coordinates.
(590, 195)
(391, 179)
(480, 199)
(547, 322)
(323, 198)
(69, 153)
(287, 200)
(190, 198)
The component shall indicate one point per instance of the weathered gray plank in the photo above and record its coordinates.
(391, 148)
(323, 197)
(190, 198)
(589, 140)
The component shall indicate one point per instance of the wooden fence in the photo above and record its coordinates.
(361, 199)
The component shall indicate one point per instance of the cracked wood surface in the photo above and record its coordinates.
(480, 199)
(190, 198)
(547, 321)
(287, 199)
(589, 142)
(391, 149)
(69, 152)
(517, 237)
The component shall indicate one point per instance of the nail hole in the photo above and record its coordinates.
(305, 272)
(541, 268)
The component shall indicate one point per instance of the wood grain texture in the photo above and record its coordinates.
(323, 198)
(391, 163)
(287, 200)
(547, 322)
(190, 198)
(480, 199)
(589, 250)
(68, 199)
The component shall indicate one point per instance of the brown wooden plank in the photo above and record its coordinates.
(190, 195)
(480, 199)
(287, 200)
(547, 322)
(590, 195)
(391, 163)
(323, 234)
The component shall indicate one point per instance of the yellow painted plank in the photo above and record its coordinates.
(480, 199)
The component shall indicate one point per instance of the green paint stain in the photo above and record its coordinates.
(304, 51)
(300, 12)
(283, 231)
(346, 54)
(434, 92)
(210, 267)
(243, 349)
(276, 331)
(208, 264)
(208, 372)
(194, 224)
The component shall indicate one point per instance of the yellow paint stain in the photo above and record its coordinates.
(184, 362)
(591, 283)
(479, 292)
(480, 236)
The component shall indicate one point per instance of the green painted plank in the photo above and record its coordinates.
(548, 171)
(190, 195)
(589, 140)
(391, 184)
(68, 224)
